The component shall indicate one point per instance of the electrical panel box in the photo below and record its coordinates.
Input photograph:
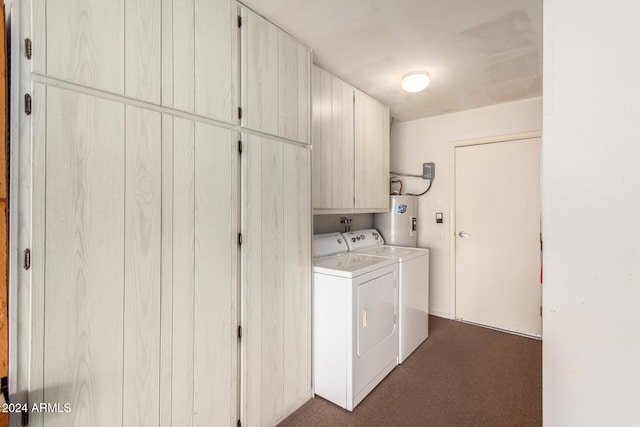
(428, 171)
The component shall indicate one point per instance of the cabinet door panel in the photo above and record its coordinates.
(203, 59)
(277, 275)
(333, 159)
(341, 143)
(216, 62)
(277, 80)
(371, 153)
(322, 150)
(261, 62)
(205, 213)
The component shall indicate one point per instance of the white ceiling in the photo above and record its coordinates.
(477, 52)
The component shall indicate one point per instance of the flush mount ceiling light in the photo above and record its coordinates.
(415, 81)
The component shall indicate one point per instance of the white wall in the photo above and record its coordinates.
(428, 140)
(591, 213)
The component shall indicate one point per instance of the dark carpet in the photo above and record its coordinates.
(462, 375)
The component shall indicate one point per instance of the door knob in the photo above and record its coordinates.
(463, 234)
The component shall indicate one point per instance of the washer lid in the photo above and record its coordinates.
(363, 239)
(350, 264)
(400, 253)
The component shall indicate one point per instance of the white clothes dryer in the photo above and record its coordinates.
(355, 321)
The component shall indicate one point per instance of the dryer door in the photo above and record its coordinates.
(376, 305)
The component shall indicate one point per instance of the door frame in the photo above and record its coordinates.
(452, 200)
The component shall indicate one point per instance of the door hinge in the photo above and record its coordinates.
(239, 26)
(239, 331)
(27, 104)
(239, 238)
(239, 113)
(27, 259)
(25, 417)
(240, 147)
(27, 48)
(239, 425)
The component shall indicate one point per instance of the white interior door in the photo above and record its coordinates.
(497, 191)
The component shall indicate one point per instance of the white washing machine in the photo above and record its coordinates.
(355, 330)
(413, 286)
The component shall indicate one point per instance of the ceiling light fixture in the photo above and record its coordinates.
(415, 81)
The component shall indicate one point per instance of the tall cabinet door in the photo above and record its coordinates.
(97, 260)
(118, 203)
(276, 80)
(371, 153)
(276, 272)
(205, 266)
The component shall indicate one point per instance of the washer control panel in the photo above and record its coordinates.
(363, 239)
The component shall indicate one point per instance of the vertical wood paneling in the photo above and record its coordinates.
(276, 278)
(167, 53)
(84, 289)
(183, 55)
(216, 258)
(142, 252)
(317, 139)
(304, 88)
(216, 65)
(85, 42)
(183, 272)
(262, 74)
(372, 152)
(297, 276)
(38, 248)
(166, 319)
(252, 278)
(327, 154)
(346, 165)
(272, 280)
(341, 146)
(277, 80)
(288, 86)
(142, 50)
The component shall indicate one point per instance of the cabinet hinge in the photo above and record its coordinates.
(25, 417)
(27, 47)
(239, 238)
(240, 147)
(27, 104)
(27, 259)
(239, 113)
(239, 425)
(239, 26)
(540, 311)
(239, 331)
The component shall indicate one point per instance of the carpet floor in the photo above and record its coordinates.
(462, 375)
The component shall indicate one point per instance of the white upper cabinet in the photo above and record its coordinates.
(276, 80)
(333, 163)
(180, 54)
(371, 130)
(351, 148)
